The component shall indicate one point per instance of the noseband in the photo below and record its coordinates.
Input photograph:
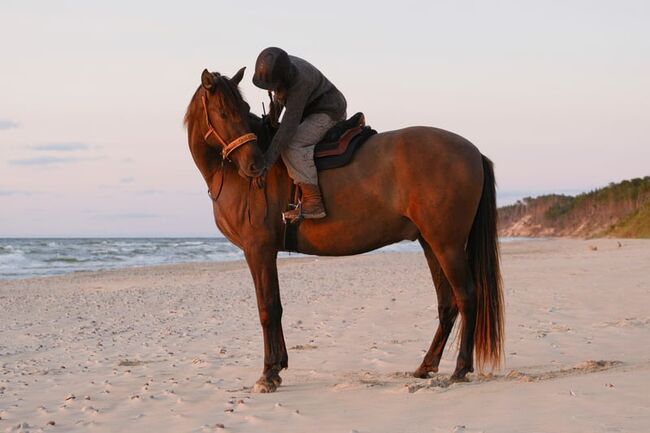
(227, 148)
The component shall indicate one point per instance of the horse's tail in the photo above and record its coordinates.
(483, 258)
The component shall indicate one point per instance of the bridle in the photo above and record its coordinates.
(227, 148)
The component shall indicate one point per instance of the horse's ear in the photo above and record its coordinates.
(207, 80)
(238, 76)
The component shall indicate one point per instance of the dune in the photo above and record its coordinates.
(177, 348)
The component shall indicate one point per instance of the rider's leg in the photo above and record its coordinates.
(298, 156)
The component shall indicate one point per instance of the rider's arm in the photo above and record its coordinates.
(275, 111)
(296, 101)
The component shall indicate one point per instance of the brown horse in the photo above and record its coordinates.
(414, 183)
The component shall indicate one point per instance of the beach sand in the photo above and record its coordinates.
(177, 348)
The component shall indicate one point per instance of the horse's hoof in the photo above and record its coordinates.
(263, 385)
(458, 378)
(423, 372)
(277, 380)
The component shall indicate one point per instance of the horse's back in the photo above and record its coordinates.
(412, 153)
(416, 142)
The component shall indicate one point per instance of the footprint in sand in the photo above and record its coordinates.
(303, 347)
(435, 383)
(630, 322)
(582, 368)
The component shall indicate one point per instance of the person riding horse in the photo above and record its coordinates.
(406, 194)
(312, 106)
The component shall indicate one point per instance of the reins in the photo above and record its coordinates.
(214, 198)
(223, 175)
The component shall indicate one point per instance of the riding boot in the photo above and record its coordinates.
(311, 205)
(312, 201)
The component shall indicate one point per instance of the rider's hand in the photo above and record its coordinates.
(260, 181)
(275, 110)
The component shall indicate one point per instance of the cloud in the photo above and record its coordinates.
(64, 147)
(12, 192)
(60, 147)
(49, 160)
(7, 124)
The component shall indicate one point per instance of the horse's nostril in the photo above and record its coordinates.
(252, 168)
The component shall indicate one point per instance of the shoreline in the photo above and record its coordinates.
(404, 246)
(283, 260)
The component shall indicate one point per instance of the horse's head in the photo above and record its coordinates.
(226, 124)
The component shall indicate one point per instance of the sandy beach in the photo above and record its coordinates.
(177, 348)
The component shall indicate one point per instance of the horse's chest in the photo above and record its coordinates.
(228, 228)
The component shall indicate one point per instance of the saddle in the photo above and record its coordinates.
(341, 141)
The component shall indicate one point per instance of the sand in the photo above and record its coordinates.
(177, 348)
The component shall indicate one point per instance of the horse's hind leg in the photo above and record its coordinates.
(447, 313)
(453, 261)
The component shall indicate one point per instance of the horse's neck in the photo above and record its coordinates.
(229, 193)
(245, 213)
(226, 180)
(206, 158)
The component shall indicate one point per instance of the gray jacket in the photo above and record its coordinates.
(309, 92)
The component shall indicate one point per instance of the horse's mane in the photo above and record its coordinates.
(228, 95)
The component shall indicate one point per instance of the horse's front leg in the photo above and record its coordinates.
(263, 267)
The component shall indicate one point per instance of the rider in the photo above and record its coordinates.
(312, 106)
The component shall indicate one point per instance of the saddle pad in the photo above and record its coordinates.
(337, 147)
(351, 140)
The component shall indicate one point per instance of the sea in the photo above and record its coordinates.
(34, 257)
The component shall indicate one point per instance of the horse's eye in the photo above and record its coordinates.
(223, 114)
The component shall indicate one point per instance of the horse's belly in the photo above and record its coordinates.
(341, 238)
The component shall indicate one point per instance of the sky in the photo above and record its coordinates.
(92, 95)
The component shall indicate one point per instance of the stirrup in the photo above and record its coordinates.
(294, 215)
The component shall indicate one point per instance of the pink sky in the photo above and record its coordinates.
(92, 96)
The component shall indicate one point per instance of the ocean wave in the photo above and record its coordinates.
(6, 249)
(21, 258)
(64, 260)
(12, 258)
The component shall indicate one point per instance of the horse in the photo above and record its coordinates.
(419, 183)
